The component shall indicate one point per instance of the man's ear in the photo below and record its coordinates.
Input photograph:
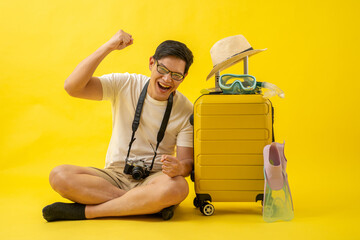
(151, 62)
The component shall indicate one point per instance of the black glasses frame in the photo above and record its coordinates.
(168, 71)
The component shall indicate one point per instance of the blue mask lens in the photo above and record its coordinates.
(237, 84)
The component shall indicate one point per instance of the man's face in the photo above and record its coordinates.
(161, 85)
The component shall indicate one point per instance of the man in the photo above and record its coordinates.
(109, 191)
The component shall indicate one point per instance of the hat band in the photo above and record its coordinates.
(250, 48)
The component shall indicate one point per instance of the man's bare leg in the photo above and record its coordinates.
(160, 193)
(82, 185)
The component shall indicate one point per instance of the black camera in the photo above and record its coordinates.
(137, 169)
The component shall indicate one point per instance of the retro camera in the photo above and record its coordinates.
(137, 169)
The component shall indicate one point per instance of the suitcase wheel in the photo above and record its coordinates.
(196, 202)
(260, 197)
(207, 209)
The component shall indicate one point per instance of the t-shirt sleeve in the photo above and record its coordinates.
(185, 136)
(112, 84)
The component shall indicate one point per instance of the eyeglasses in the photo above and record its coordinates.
(163, 70)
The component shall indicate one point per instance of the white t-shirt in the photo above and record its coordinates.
(123, 91)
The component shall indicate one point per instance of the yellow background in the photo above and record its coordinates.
(313, 49)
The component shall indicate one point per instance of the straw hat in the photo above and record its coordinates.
(229, 51)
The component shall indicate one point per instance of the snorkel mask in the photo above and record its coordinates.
(237, 84)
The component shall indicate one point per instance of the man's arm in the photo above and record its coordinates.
(181, 165)
(81, 83)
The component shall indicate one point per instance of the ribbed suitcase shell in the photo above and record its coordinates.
(230, 132)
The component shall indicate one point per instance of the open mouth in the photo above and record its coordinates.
(163, 87)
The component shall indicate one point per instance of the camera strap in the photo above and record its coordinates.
(136, 121)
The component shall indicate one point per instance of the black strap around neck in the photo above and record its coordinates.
(136, 121)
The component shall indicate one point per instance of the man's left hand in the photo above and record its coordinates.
(171, 166)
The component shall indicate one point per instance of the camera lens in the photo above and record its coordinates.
(128, 168)
(137, 173)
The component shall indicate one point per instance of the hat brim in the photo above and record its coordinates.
(231, 61)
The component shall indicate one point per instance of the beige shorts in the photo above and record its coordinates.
(115, 175)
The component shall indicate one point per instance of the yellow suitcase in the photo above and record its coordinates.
(230, 132)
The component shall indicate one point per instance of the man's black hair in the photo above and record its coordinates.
(176, 49)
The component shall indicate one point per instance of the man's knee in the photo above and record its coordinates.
(60, 178)
(175, 191)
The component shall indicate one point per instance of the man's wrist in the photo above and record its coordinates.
(106, 48)
(186, 167)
